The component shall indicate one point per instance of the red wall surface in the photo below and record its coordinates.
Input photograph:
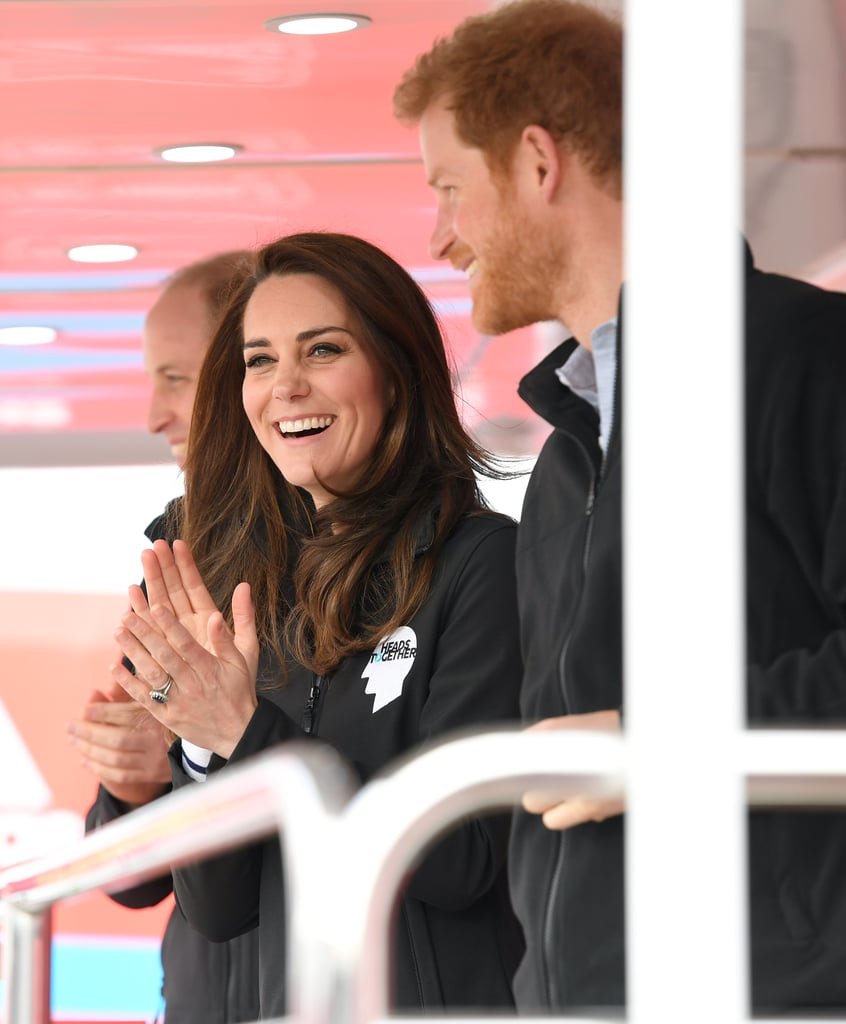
(54, 649)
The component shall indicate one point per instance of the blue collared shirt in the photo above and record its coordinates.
(591, 374)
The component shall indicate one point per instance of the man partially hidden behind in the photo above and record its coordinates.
(203, 982)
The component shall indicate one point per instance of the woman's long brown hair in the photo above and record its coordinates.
(356, 573)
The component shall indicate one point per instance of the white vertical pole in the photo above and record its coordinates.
(683, 552)
(26, 965)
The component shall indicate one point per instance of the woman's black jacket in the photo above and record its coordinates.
(455, 665)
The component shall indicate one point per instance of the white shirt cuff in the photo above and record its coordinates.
(195, 761)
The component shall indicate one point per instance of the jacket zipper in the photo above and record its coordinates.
(590, 505)
(595, 480)
(595, 484)
(310, 709)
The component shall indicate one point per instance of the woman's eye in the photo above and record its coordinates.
(323, 348)
(257, 360)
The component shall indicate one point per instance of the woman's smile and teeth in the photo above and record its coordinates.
(306, 426)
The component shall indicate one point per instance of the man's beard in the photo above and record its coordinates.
(520, 272)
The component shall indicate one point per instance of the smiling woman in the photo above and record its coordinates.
(313, 393)
(332, 503)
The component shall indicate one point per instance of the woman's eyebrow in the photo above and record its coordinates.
(303, 336)
(316, 332)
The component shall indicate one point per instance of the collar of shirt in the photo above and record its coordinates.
(591, 374)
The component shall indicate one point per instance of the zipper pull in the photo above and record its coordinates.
(311, 705)
(591, 500)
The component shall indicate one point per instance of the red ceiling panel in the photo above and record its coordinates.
(91, 90)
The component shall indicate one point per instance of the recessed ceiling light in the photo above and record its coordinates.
(316, 24)
(27, 334)
(203, 153)
(104, 253)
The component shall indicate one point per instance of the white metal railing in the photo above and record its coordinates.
(302, 785)
(339, 935)
(337, 962)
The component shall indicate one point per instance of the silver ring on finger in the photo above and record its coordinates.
(159, 695)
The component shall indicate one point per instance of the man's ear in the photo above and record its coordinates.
(540, 159)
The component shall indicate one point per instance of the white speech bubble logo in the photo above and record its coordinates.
(389, 664)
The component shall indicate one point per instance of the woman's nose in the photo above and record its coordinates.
(290, 382)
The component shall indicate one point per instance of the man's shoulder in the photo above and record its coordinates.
(786, 302)
(794, 329)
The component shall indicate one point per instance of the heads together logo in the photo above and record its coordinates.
(389, 664)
